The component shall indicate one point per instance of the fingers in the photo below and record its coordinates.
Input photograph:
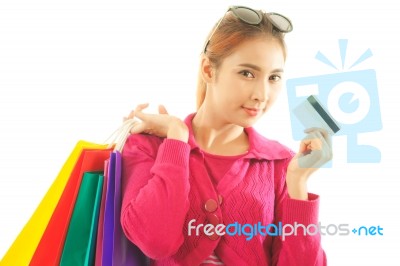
(315, 149)
(310, 143)
(139, 114)
(139, 109)
(138, 128)
(130, 116)
(150, 123)
(324, 132)
(141, 106)
(162, 109)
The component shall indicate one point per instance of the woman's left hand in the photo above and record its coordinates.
(315, 150)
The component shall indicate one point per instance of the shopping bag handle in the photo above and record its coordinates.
(120, 135)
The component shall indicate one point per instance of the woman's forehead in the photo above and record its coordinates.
(265, 53)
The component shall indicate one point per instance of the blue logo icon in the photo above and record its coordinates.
(352, 99)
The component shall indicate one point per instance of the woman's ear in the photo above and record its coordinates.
(206, 69)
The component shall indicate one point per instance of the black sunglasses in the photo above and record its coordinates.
(254, 17)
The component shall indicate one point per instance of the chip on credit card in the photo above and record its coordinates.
(311, 113)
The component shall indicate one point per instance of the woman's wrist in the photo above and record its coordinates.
(178, 130)
(297, 187)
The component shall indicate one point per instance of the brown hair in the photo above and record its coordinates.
(230, 33)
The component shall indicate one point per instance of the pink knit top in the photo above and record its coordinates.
(168, 183)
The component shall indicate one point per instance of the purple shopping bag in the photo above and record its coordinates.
(117, 249)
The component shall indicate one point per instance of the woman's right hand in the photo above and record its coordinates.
(161, 124)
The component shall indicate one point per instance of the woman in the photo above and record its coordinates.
(184, 181)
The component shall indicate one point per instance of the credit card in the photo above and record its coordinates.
(311, 113)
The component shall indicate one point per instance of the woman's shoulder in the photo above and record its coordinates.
(143, 142)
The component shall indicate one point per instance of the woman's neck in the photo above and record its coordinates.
(216, 136)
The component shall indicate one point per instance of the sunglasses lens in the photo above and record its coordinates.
(247, 15)
(279, 21)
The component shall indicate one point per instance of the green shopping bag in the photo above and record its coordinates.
(80, 243)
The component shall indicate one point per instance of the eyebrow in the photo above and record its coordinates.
(255, 67)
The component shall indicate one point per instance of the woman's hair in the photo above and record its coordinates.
(230, 33)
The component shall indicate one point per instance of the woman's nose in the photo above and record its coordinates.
(261, 91)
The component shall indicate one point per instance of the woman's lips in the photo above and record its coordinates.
(251, 111)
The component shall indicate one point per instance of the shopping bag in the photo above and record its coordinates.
(50, 247)
(99, 238)
(108, 224)
(117, 249)
(124, 252)
(80, 242)
(24, 246)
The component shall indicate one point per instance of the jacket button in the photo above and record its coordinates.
(213, 219)
(211, 205)
(211, 234)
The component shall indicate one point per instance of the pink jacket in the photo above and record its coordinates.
(165, 186)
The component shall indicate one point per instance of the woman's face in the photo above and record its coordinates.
(248, 81)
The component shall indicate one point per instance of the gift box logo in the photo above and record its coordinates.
(351, 97)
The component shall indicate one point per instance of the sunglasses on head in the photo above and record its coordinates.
(254, 17)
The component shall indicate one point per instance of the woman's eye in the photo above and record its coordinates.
(247, 74)
(275, 78)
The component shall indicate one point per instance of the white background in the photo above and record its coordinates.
(70, 70)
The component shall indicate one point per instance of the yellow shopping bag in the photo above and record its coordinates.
(24, 246)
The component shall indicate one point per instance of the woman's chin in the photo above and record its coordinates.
(249, 122)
